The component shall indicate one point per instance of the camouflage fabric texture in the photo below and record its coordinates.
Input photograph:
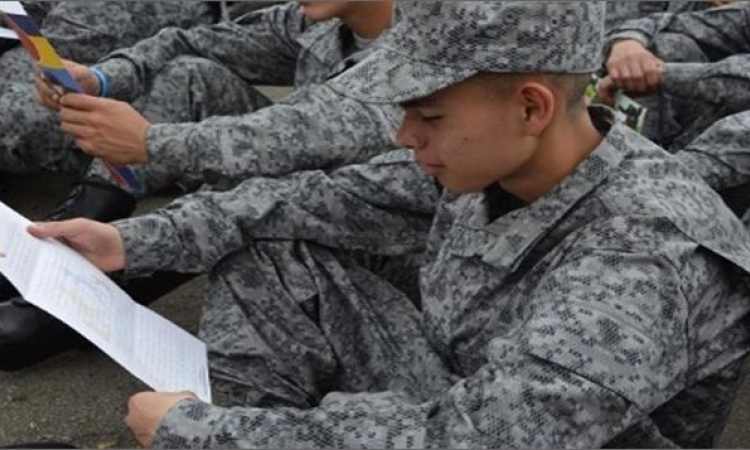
(706, 72)
(621, 11)
(83, 32)
(506, 37)
(611, 311)
(311, 128)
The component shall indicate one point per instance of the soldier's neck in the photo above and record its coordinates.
(565, 145)
(369, 19)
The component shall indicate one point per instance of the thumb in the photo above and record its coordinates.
(55, 229)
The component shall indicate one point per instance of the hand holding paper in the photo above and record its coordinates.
(65, 284)
(105, 128)
(40, 49)
(99, 243)
(49, 94)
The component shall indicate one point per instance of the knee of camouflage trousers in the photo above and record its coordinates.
(289, 322)
(668, 116)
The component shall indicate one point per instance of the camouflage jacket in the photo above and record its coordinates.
(608, 312)
(312, 128)
(722, 34)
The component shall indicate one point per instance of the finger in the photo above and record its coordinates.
(88, 147)
(606, 90)
(653, 75)
(56, 230)
(48, 97)
(634, 80)
(75, 130)
(74, 116)
(615, 78)
(639, 82)
(624, 77)
(81, 102)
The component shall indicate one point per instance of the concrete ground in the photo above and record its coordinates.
(80, 396)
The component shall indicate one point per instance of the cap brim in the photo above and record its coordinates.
(387, 76)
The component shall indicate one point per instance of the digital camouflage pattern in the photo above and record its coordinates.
(620, 11)
(611, 311)
(83, 32)
(706, 74)
(478, 36)
(721, 155)
(312, 128)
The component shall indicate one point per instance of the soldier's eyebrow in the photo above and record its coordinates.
(424, 102)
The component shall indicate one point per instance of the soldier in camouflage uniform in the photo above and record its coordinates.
(206, 71)
(600, 300)
(703, 79)
(29, 136)
(283, 45)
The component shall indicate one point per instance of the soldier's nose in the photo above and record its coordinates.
(408, 138)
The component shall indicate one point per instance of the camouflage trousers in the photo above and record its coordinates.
(83, 32)
(674, 122)
(188, 89)
(288, 323)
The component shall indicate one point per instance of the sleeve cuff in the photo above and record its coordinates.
(630, 35)
(160, 141)
(122, 77)
(189, 424)
(680, 78)
(150, 244)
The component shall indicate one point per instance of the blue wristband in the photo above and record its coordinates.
(103, 81)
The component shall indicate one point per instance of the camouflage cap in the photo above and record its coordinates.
(435, 44)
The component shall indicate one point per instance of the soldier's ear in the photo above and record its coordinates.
(538, 106)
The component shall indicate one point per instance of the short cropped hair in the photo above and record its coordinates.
(572, 86)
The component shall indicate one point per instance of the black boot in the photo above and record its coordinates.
(29, 335)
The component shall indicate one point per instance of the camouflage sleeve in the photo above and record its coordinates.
(593, 359)
(725, 83)
(384, 206)
(314, 128)
(721, 155)
(260, 47)
(719, 32)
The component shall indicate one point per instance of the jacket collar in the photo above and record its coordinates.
(505, 242)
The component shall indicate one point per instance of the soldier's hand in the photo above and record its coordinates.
(98, 242)
(147, 410)
(605, 91)
(634, 69)
(105, 128)
(49, 94)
